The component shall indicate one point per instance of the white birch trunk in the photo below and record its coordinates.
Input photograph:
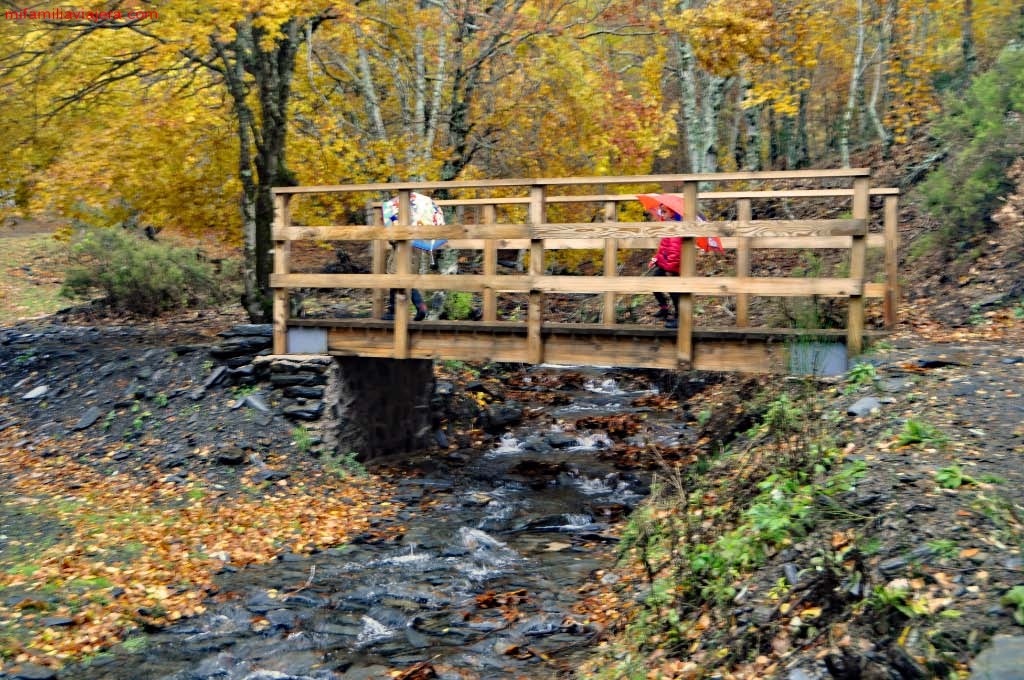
(851, 98)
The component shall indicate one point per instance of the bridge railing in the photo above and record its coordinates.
(477, 227)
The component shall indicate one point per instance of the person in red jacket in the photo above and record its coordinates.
(664, 263)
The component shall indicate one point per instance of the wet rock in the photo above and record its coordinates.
(261, 602)
(366, 673)
(560, 440)
(282, 618)
(416, 639)
(499, 416)
(539, 626)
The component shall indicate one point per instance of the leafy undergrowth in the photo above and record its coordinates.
(884, 544)
(90, 557)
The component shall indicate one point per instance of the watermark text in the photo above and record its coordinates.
(66, 14)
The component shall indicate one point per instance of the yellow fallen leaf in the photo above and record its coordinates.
(555, 546)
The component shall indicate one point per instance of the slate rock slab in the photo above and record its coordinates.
(88, 419)
(1004, 660)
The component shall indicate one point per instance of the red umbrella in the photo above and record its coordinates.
(670, 207)
(662, 206)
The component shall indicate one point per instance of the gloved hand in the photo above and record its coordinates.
(652, 263)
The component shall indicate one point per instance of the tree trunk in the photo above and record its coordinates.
(874, 103)
(752, 145)
(967, 39)
(261, 148)
(700, 103)
(851, 94)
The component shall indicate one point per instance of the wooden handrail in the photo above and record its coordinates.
(578, 181)
(580, 230)
(628, 198)
(537, 235)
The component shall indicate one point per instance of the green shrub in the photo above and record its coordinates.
(139, 275)
(983, 133)
(458, 305)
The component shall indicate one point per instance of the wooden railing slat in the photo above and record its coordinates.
(578, 181)
(282, 263)
(582, 230)
(699, 285)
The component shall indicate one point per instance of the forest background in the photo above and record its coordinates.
(185, 115)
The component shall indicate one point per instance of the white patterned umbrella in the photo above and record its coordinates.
(423, 211)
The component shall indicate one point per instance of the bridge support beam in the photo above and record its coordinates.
(383, 406)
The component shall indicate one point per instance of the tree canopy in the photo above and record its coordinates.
(186, 116)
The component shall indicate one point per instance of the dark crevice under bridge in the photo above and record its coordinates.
(542, 215)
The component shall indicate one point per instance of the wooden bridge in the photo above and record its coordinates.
(747, 210)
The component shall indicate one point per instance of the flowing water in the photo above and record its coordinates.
(520, 526)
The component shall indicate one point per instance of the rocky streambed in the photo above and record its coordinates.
(483, 570)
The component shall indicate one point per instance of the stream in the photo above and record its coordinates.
(518, 527)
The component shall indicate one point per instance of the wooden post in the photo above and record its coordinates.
(535, 311)
(403, 265)
(378, 259)
(282, 265)
(611, 256)
(892, 244)
(687, 267)
(490, 298)
(743, 214)
(858, 256)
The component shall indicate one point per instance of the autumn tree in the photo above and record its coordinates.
(248, 54)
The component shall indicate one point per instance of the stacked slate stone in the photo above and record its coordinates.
(298, 382)
(302, 383)
(242, 344)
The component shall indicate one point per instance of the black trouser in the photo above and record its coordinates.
(661, 297)
(417, 299)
